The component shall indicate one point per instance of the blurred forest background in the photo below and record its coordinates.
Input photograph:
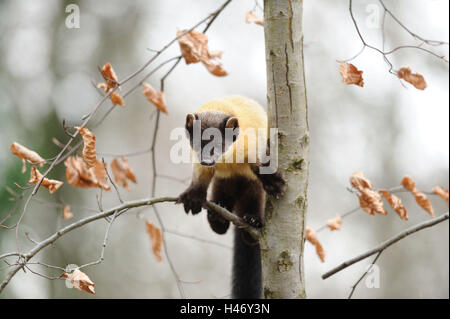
(385, 130)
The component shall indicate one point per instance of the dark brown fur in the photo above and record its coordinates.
(243, 195)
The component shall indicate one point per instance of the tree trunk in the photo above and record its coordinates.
(283, 236)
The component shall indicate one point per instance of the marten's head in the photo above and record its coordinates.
(211, 134)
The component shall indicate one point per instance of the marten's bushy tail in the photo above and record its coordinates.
(247, 280)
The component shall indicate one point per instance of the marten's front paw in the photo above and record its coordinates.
(274, 184)
(193, 199)
(253, 220)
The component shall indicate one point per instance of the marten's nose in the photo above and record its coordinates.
(207, 162)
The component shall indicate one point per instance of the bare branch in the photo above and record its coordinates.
(67, 150)
(386, 244)
(202, 240)
(59, 158)
(401, 47)
(112, 211)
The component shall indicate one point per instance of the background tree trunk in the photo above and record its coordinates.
(283, 236)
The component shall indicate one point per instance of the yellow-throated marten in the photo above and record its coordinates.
(237, 185)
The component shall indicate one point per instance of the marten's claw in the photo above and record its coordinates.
(273, 184)
(253, 220)
(192, 199)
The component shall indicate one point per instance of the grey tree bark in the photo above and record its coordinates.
(283, 236)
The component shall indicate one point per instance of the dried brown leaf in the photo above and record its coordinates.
(119, 174)
(110, 76)
(311, 236)
(89, 156)
(80, 281)
(128, 171)
(215, 54)
(67, 214)
(396, 204)
(442, 193)
(214, 68)
(79, 175)
(51, 184)
(250, 17)
(371, 202)
(193, 46)
(408, 183)
(122, 173)
(350, 74)
(424, 202)
(360, 182)
(156, 239)
(103, 87)
(116, 98)
(194, 49)
(156, 98)
(421, 199)
(335, 223)
(415, 79)
(26, 154)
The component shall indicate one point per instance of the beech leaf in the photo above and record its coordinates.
(311, 236)
(26, 154)
(51, 184)
(156, 98)
(442, 193)
(335, 223)
(79, 175)
(415, 79)
(359, 181)
(250, 17)
(110, 77)
(350, 74)
(421, 199)
(89, 155)
(156, 239)
(67, 214)
(194, 49)
(80, 281)
(396, 204)
(122, 173)
(116, 98)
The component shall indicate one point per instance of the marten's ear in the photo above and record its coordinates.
(190, 121)
(232, 123)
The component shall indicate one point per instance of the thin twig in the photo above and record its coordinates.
(364, 274)
(202, 240)
(153, 159)
(401, 47)
(105, 241)
(393, 190)
(24, 258)
(210, 18)
(386, 244)
(414, 35)
(125, 206)
(112, 182)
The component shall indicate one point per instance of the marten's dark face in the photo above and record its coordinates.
(211, 134)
